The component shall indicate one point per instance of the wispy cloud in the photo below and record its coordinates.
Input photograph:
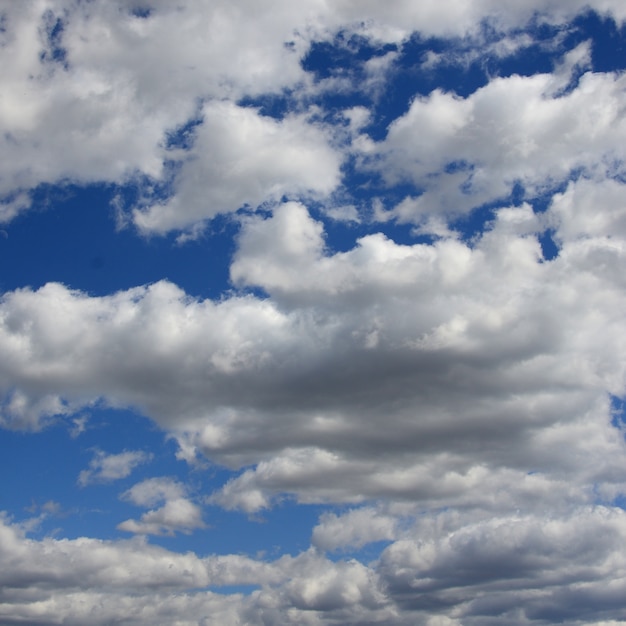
(109, 467)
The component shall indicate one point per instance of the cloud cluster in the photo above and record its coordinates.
(95, 92)
(410, 372)
(447, 569)
(241, 158)
(465, 152)
(458, 395)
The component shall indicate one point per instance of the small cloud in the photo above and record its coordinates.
(153, 490)
(51, 507)
(177, 513)
(79, 425)
(48, 508)
(347, 213)
(109, 467)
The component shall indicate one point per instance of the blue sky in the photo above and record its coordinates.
(312, 313)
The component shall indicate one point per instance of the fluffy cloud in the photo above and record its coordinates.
(240, 158)
(464, 152)
(447, 569)
(513, 570)
(93, 92)
(355, 528)
(105, 581)
(456, 395)
(176, 514)
(108, 467)
(410, 372)
(92, 89)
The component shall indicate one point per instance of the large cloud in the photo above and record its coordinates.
(92, 89)
(387, 371)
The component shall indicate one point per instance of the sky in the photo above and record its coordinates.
(312, 313)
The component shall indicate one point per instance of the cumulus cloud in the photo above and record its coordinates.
(464, 152)
(109, 467)
(125, 82)
(95, 91)
(457, 395)
(410, 372)
(447, 569)
(176, 514)
(355, 528)
(134, 581)
(513, 569)
(241, 158)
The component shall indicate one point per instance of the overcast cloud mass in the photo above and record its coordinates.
(312, 312)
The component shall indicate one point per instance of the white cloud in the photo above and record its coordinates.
(109, 467)
(409, 372)
(105, 581)
(588, 209)
(241, 158)
(464, 152)
(96, 101)
(449, 568)
(517, 568)
(127, 82)
(355, 528)
(154, 490)
(177, 513)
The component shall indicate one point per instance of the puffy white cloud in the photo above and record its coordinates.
(355, 528)
(450, 17)
(93, 91)
(513, 570)
(241, 158)
(177, 513)
(588, 209)
(409, 372)
(108, 467)
(464, 152)
(101, 109)
(448, 569)
(154, 490)
(105, 581)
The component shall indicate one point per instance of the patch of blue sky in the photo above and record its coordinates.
(183, 136)
(608, 41)
(618, 410)
(46, 467)
(55, 52)
(283, 529)
(142, 11)
(80, 245)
